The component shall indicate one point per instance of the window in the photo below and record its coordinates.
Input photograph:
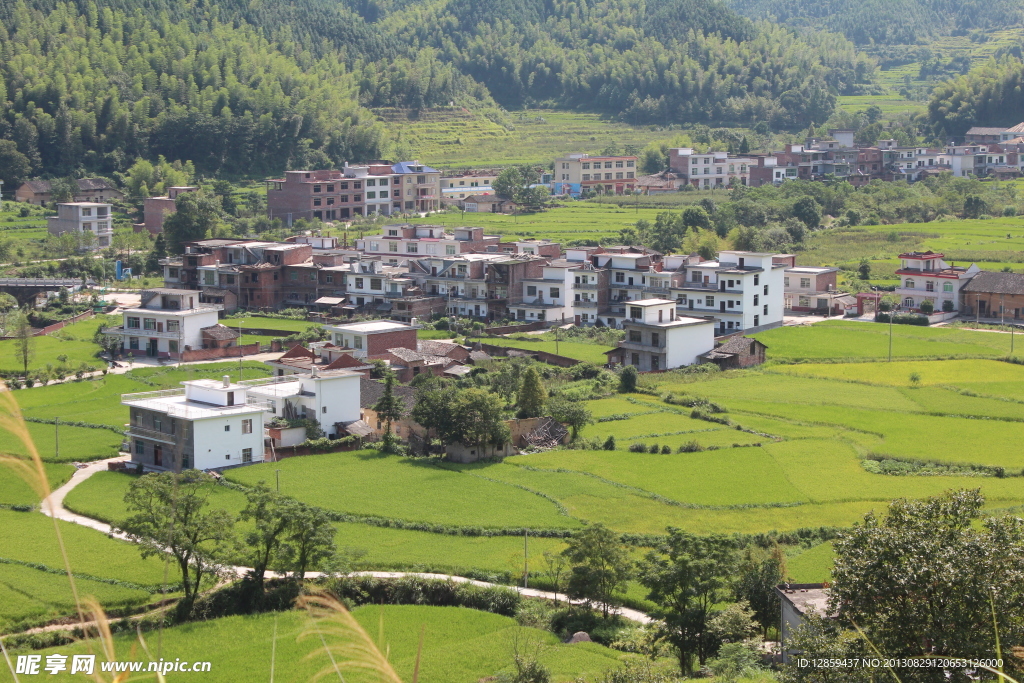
(618, 176)
(247, 426)
(449, 249)
(371, 195)
(586, 164)
(295, 275)
(586, 176)
(618, 164)
(227, 428)
(133, 323)
(709, 302)
(620, 277)
(655, 339)
(149, 323)
(805, 282)
(531, 290)
(357, 198)
(357, 342)
(173, 325)
(317, 188)
(757, 279)
(412, 248)
(755, 299)
(375, 283)
(634, 336)
(607, 164)
(629, 164)
(757, 320)
(316, 201)
(947, 286)
(359, 283)
(629, 174)
(765, 310)
(908, 302)
(636, 312)
(554, 292)
(140, 447)
(804, 302)
(909, 284)
(246, 455)
(392, 246)
(370, 182)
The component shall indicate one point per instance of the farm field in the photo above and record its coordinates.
(460, 646)
(16, 491)
(73, 341)
(838, 340)
(813, 565)
(414, 490)
(590, 353)
(258, 322)
(454, 139)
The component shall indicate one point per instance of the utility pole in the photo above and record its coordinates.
(277, 475)
(56, 435)
(892, 313)
(526, 562)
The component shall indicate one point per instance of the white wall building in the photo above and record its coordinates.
(550, 297)
(207, 424)
(81, 218)
(331, 397)
(742, 290)
(925, 275)
(373, 337)
(657, 338)
(168, 322)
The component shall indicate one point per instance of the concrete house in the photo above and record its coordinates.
(925, 275)
(550, 297)
(373, 337)
(576, 173)
(742, 290)
(330, 398)
(205, 425)
(168, 322)
(798, 600)
(156, 209)
(84, 217)
(659, 339)
(96, 190)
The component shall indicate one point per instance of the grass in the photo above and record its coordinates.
(459, 646)
(417, 491)
(813, 565)
(590, 353)
(249, 322)
(841, 340)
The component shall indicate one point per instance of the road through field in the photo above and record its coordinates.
(53, 506)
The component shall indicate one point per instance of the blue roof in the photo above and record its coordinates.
(406, 167)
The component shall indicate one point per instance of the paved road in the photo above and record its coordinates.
(53, 506)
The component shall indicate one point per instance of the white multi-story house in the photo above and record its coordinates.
(168, 322)
(741, 291)
(658, 338)
(578, 173)
(925, 275)
(377, 188)
(711, 169)
(207, 424)
(398, 243)
(84, 218)
(330, 398)
(550, 297)
(373, 337)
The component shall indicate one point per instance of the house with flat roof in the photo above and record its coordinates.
(797, 601)
(169, 322)
(373, 337)
(207, 424)
(328, 397)
(657, 338)
(925, 275)
(92, 222)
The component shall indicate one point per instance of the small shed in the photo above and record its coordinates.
(219, 337)
(737, 352)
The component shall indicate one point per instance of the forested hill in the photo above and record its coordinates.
(251, 86)
(887, 22)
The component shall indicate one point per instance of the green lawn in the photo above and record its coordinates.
(73, 341)
(843, 340)
(591, 353)
(260, 322)
(364, 482)
(459, 646)
(813, 565)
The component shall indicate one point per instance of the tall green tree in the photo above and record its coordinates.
(310, 543)
(270, 514)
(934, 578)
(686, 577)
(389, 408)
(570, 412)
(24, 341)
(467, 416)
(14, 166)
(171, 513)
(531, 394)
(758, 575)
(628, 379)
(599, 565)
(195, 217)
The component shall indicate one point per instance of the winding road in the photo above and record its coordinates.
(53, 506)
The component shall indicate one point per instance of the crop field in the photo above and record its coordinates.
(29, 537)
(848, 340)
(459, 646)
(457, 138)
(574, 221)
(16, 491)
(76, 443)
(27, 593)
(891, 106)
(590, 353)
(73, 341)
(417, 491)
(259, 322)
(24, 233)
(811, 566)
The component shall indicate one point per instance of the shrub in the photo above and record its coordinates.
(628, 379)
(637, 448)
(927, 307)
(666, 449)
(609, 443)
(947, 306)
(691, 447)
(903, 318)
(654, 448)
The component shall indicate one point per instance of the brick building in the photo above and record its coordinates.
(156, 209)
(373, 337)
(95, 190)
(993, 295)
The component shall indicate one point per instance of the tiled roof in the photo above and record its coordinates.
(1019, 128)
(987, 282)
(408, 355)
(406, 167)
(737, 345)
(297, 351)
(84, 184)
(436, 348)
(982, 130)
(370, 391)
(220, 332)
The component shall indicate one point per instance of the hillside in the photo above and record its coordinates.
(252, 87)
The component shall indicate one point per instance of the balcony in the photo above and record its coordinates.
(587, 285)
(139, 332)
(152, 435)
(709, 287)
(585, 303)
(639, 346)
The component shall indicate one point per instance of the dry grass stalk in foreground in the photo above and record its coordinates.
(351, 648)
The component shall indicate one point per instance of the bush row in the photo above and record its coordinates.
(76, 423)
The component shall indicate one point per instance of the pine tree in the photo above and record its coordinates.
(744, 146)
(531, 394)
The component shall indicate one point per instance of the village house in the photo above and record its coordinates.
(578, 173)
(926, 276)
(373, 337)
(659, 339)
(156, 209)
(170, 321)
(329, 397)
(736, 352)
(95, 190)
(797, 601)
(84, 218)
(993, 295)
(207, 424)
